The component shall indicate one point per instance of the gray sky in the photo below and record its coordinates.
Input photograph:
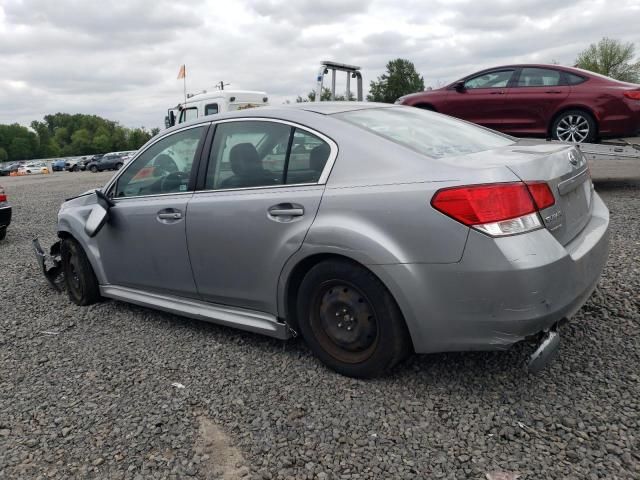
(120, 60)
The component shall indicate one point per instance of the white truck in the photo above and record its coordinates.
(217, 101)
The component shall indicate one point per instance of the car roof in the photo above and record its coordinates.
(321, 108)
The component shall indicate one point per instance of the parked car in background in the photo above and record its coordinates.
(32, 168)
(373, 230)
(9, 169)
(5, 213)
(564, 103)
(109, 161)
(58, 165)
(71, 165)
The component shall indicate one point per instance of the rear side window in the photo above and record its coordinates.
(211, 109)
(429, 133)
(249, 154)
(539, 77)
(574, 79)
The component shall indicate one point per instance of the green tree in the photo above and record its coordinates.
(20, 149)
(400, 79)
(4, 156)
(612, 58)
(101, 143)
(81, 142)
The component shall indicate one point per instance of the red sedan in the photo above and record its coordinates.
(564, 103)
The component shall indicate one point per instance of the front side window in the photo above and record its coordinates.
(165, 167)
(490, 80)
(188, 114)
(431, 134)
(539, 77)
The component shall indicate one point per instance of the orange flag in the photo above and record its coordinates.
(182, 73)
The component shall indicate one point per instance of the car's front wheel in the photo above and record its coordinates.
(94, 169)
(118, 166)
(575, 126)
(80, 280)
(350, 320)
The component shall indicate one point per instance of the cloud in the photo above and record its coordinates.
(121, 60)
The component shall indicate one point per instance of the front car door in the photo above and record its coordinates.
(482, 99)
(534, 97)
(263, 187)
(143, 245)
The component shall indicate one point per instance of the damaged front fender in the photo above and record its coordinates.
(53, 274)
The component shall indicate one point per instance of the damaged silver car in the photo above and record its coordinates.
(375, 231)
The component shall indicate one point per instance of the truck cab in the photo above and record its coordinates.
(209, 103)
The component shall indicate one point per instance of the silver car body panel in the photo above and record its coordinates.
(221, 314)
(457, 288)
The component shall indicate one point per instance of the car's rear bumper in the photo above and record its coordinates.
(5, 215)
(502, 291)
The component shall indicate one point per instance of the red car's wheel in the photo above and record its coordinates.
(574, 126)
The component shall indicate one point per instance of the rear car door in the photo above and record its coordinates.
(482, 99)
(143, 245)
(534, 97)
(262, 189)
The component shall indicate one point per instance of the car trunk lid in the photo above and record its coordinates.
(561, 166)
(565, 170)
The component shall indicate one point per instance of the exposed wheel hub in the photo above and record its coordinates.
(346, 318)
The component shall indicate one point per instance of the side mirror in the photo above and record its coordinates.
(99, 214)
(459, 86)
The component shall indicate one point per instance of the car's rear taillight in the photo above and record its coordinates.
(633, 95)
(496, 209)
(3, 196)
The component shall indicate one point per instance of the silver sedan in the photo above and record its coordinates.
(372, 230)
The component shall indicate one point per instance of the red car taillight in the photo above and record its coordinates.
(3, 196)
(633, 95)
(496, 209)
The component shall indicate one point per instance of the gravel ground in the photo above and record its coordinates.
(87, 392)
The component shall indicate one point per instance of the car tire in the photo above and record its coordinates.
(574, 126)
(79, 277)
(94, 169)
(350, 320)
(118, 166)
(75, 168)
(3, 233)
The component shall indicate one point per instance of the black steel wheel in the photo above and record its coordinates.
(80, 280)
(574, 126)
(350, 320)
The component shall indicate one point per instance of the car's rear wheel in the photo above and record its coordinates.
(3, 233)
(574, 126)
(80, 280)
(118, 166)
(75, 168)
(350, 320)
(94, 169)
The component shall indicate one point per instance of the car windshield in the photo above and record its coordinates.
(429, 133)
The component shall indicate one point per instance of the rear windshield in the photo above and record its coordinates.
(426, 132)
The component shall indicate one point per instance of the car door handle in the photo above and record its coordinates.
(497, 93)
(552, 91)
(286, 210)
(169, 215)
